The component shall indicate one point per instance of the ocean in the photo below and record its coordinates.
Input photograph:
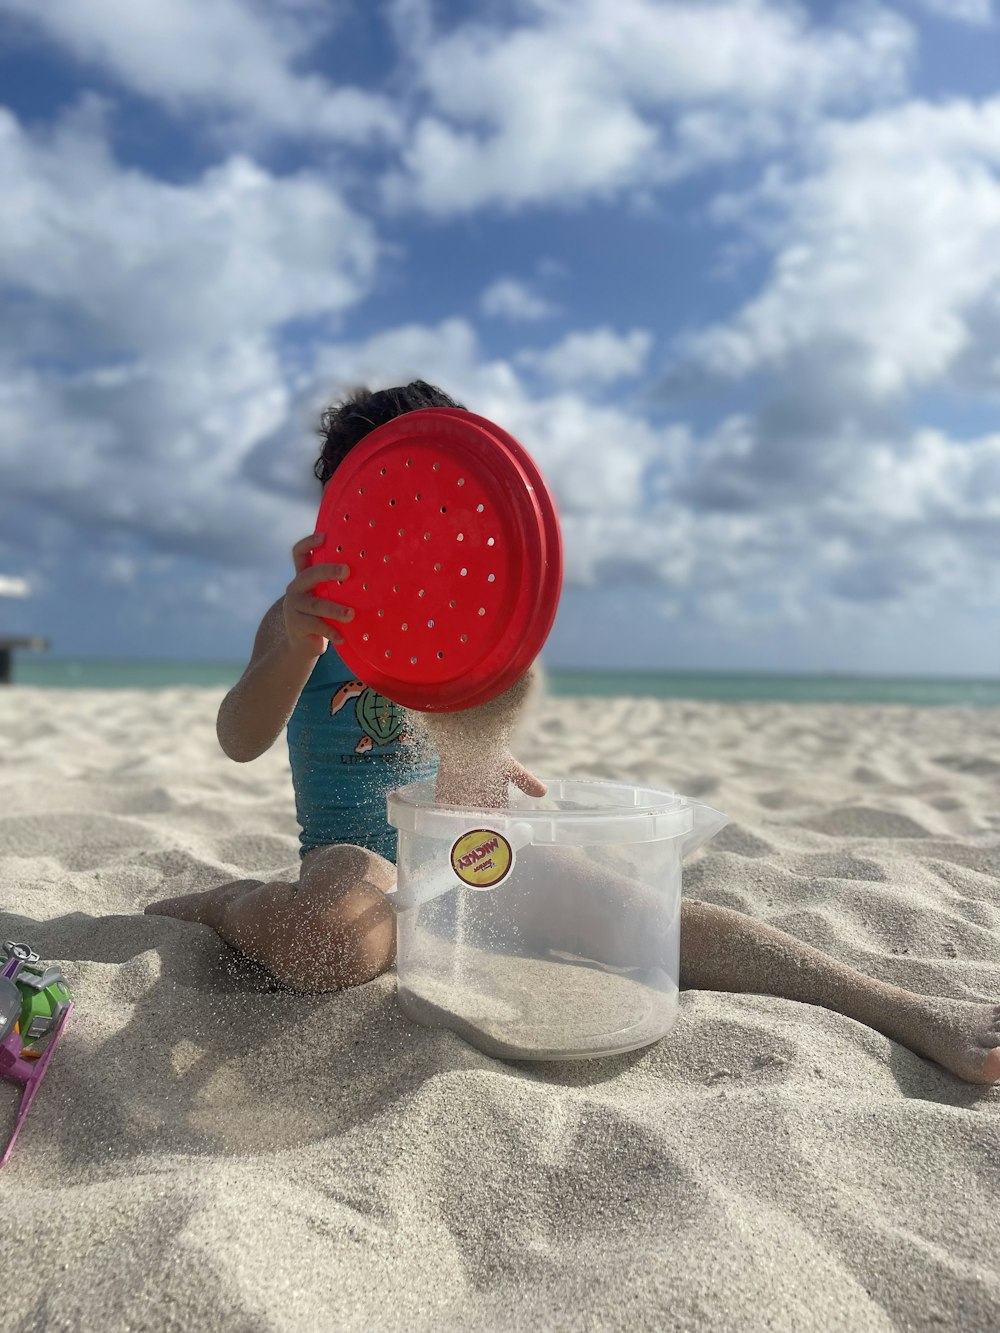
(90, 673)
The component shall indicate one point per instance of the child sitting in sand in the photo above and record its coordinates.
(335, 928)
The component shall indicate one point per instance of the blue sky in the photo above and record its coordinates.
(730, 270)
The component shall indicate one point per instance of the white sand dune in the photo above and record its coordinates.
(212, 1153)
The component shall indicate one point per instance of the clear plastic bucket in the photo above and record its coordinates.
(550, 929)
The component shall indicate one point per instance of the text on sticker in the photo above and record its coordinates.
(477, 853)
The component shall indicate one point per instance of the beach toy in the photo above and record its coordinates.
(549, 929)
(34, 1005)
(455, 554)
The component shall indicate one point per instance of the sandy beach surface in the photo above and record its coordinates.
(211, 1153)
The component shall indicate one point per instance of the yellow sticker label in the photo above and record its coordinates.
(481, 858)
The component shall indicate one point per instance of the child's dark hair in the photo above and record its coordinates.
(345, 423)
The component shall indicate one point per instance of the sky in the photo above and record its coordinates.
(728, 269)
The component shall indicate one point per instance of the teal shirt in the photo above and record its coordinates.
(348, 747)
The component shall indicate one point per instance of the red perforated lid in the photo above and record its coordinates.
(455, 555)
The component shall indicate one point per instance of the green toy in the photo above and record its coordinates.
(44, 998)
(34, 1005)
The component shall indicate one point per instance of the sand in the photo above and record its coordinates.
(211, 1153)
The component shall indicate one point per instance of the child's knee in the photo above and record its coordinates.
(342, 865)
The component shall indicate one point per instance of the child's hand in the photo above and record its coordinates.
(307, 632)
(482, 782)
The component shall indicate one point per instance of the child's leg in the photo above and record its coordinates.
(334, 928)
(725, 950)
(729, 951)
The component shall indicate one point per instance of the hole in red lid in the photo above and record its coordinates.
(463, 572)
(491, 578)
(480, 508)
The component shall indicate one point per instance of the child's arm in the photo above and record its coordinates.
(291, 637)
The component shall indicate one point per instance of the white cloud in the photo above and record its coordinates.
(902, 522)
(224, 56)
(934, 480)
(885, 281)
(509, 298)
(888, 254)
(139, 336)
(571, 102)
(598, 356)
(158, 265)
(976, 12)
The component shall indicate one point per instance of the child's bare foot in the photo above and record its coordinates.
(725, 950)
(332, 929)
(206, 907)
(961, 1035)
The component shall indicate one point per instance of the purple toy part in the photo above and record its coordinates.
(28, 1072)
(13, 1065)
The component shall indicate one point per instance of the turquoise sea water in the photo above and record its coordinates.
(82, 673)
